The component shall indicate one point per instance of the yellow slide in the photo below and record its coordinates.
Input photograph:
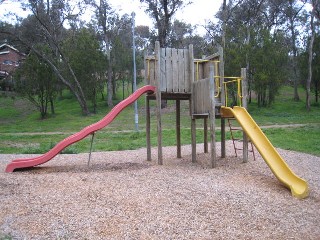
(299, 187)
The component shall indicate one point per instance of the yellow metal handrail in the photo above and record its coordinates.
(239, 93)
(197, 61)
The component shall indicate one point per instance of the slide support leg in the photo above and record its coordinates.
(91, 145)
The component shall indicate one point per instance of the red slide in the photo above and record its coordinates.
(30, 162)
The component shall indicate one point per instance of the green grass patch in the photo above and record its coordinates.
(19, 116)
(302, 139)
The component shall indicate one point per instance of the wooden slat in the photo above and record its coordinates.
(163, 85)
(169, 70)
(191, 68)
(175, 70)
(186, 71)
(152, 77)
(181, 70)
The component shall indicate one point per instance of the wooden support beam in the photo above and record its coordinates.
(205, 135)
(223, 138)
(245, 105)
(158, 101)
(148, 129)
(178, 131)
(212, 117)
(193, 140)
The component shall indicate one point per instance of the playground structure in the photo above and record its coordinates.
(178, 76)
(174, 74)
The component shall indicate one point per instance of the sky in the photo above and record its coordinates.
(196, 13)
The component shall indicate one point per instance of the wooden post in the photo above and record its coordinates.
(191, 66)
(245, 105)
(193, 127)
(205, 135)
(148, 129)
(212, 116)
(193, 140)
(223, 102)
(193, 120)
(223, 138)
(178, 129)
(158, 100)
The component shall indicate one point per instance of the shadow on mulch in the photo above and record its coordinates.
(99, 167)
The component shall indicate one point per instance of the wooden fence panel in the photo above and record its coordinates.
(201, 96)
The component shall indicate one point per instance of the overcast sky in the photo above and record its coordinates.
(196, 13)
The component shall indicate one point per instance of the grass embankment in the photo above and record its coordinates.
(22, 131)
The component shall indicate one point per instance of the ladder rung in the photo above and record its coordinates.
(236, 129)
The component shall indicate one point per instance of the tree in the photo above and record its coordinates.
(105, 18)
(45, 26)
(310, 57)
(162, 12)
(36, 81)
(270, 52)
(292, 12)
(87, 61)
(316, 68)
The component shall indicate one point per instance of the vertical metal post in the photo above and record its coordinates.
(90, 149)
(136, 116)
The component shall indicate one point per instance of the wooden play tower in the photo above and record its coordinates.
(178, 76)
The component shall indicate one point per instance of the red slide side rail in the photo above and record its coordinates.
(30, 162)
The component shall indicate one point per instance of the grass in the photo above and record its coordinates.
(22, 131)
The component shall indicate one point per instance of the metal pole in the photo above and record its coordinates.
(90, 149)
(136, 116)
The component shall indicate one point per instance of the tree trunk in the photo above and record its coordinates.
(52, 105)
(109, 86)
(294, 60)
(308, 92)
(316, 91)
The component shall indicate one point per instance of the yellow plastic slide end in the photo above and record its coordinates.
(300, 190)
(299, 187)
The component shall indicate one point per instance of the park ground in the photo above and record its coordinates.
(123, 196)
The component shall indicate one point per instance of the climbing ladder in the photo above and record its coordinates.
(234, 129)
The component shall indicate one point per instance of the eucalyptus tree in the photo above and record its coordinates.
(115, 34)
(312, 55)
(36, 81)
(182, 34)
(162, 12)
(292, 11)
(83, 50)
(45, 26)
(250, 31)
(105, 21)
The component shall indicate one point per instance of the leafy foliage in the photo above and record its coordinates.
(87, 61)
(36, 80)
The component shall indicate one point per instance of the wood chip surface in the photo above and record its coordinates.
(122, 196)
